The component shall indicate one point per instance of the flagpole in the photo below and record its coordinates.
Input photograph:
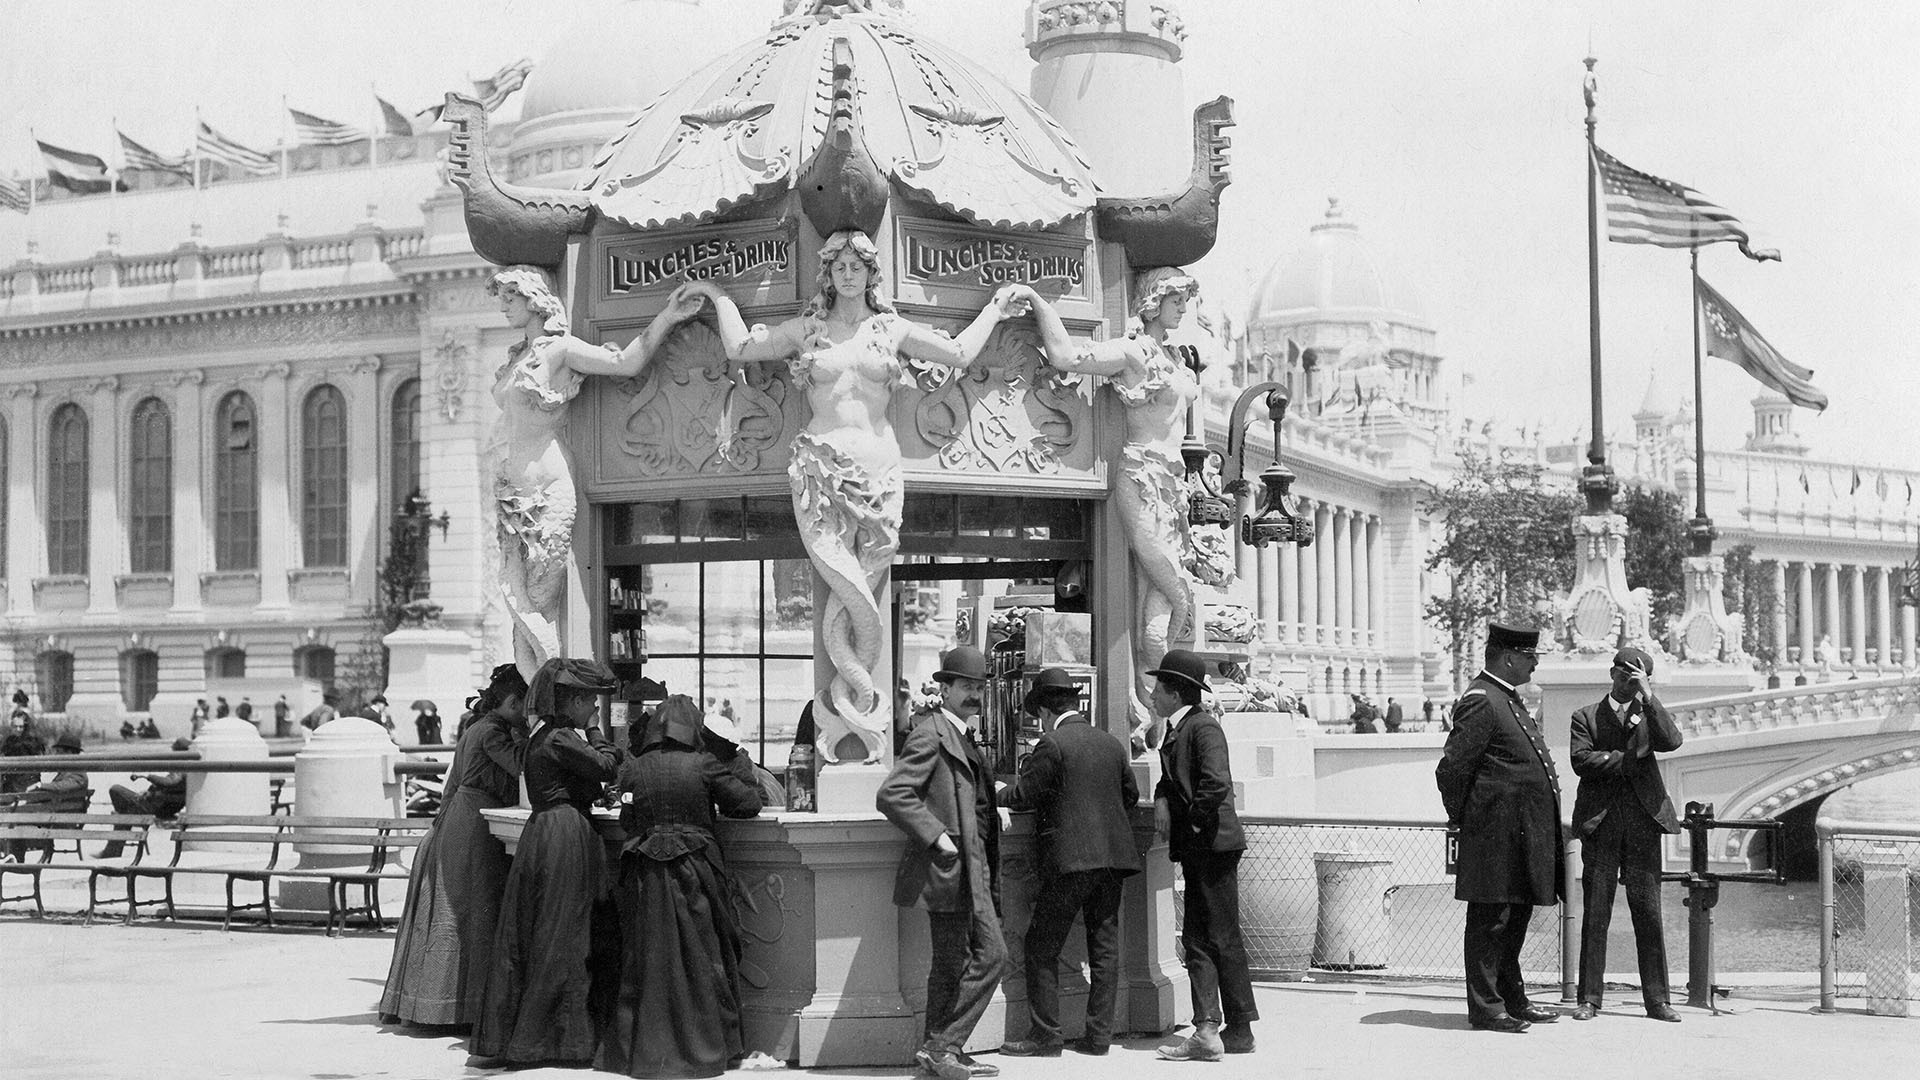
(286, 156)
(373, 154)
(1700, 529)
(1596, 480)
(193, 227)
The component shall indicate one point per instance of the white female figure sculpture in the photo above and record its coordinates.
(534, 497)
(1151, 494)
(844, 353)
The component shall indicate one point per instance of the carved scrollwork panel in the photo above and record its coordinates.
(1007, 413)
(684, 414)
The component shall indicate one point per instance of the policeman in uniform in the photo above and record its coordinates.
(1503, 795)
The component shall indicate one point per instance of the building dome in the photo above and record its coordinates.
(591, 82)
(1336, 277)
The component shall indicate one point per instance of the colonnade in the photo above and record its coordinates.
(1851, 603)
(1322, 607)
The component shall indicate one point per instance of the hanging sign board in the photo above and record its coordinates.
(958, 266)
(753, 261)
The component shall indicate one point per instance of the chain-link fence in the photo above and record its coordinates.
(1371, 897)
(1870, 914)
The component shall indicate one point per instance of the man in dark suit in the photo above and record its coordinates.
(1501, 792)
(1619, 815)
(1079, 783)
(1193, 807)
(941, 795)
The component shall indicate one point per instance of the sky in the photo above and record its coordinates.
(1450, 130)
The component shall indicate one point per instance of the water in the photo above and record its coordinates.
(1777, 927)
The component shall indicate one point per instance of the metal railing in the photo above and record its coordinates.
(1869, 900)
(1372, 896)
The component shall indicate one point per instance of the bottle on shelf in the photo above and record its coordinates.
(801, 762)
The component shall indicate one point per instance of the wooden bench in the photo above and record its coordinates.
(382, 839)
(129, 830)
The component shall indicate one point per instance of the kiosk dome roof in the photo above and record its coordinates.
(746, 126)
(586, 69)
(1335, 276)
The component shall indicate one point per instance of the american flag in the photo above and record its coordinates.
(78, 171)
(311, 130)
(14, 196)
(214, 146)
(137, 156)
(494, 90)
(1644, 209)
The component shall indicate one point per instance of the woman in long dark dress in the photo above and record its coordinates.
(678, 1010)
(453, 895)
(535, 1007)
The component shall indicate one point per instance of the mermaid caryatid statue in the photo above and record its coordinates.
(534, 497)
(844, 353)
(1151, 494)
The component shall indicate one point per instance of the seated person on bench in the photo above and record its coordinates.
(166, 796)
(66, 793)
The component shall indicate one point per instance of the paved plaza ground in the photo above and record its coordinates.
(160, 1000)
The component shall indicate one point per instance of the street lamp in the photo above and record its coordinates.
(1276, 523)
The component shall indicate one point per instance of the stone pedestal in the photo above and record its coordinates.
(229, 738)
(434, 664)
(1153, 982)
(345, 770)
(1272, 764)
(1567, 683)
(1704, 633)
(848, 788)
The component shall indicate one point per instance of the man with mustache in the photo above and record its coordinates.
(941, 795)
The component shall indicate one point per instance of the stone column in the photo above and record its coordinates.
(1883, 613)
(1857, 613)
(1343, 576)
(104, 537)
(365, 521)
(1779, 613)
(1323, 590)
(1804, 583)
(1366, 601)
(189, 516)
(1267, 560)
(1909, 624)
(1831, 575)
(277, 431)
(26, 540)
(1289, 560)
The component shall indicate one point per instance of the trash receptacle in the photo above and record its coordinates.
(1351, 934)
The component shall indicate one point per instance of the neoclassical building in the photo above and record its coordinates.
(213, 407)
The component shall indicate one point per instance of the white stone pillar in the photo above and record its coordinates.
(1289, 559)
(277, 431)
(365, 521)
(1343, 576)
(26, 541)
(1831, 581)
(1267, 562)
(1323, 590)
(1883, 614)
(104, 538)
(1778, 615)
(1366, 552)
(1804, 583)
(1909, 629)
(1857, 613)
(189, 516)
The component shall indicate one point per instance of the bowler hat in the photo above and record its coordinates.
(1511, 637)
(1631, 657)
(1179, 664)
(961, 662)
(69, 741)
(1049, 688)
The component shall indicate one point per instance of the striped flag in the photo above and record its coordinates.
(1727, 334)
(214, 146)
(1644, 209)
(80, 173)
(494, 90)
(139, 157)
(311, 130)
(14, 195)
(399, 123)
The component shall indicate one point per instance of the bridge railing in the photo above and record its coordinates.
(1869, 903)
(1371, 896)
(1820, 703)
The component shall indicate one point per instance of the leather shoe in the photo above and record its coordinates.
(975, 1068)
(1587, 1011)
(1031, 1048)
(1090, 1047)
(1202, 1045)
(1663, 1012)
(941, 1063)
(1509, 1024)
(1538, 1014)
(1237, 1038)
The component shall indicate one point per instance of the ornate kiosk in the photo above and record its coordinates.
(693, 561)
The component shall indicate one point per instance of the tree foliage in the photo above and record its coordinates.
(1657, 548)
(1507, 545)
(1749, 592)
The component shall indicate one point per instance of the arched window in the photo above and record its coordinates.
(150, 491)
(53, 671)
(226, 663)
(67, 492)
(323, 475)
(236, 485)
(315, 662)
(405, 478)
(139, 678)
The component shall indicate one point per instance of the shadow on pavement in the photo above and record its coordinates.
(1418, 1018)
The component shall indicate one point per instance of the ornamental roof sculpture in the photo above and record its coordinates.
(843, 106)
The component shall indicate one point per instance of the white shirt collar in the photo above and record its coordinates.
(1512, 689)
(954, 719)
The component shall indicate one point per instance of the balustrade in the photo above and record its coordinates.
(1799, 706)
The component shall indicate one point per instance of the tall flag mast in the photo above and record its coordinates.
(1596, 480)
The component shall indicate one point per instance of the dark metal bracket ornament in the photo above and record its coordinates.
(1275, 522)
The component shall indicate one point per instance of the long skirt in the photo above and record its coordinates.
(473, 874)
(423, 981)
(678, 1009)
(537, 1002)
